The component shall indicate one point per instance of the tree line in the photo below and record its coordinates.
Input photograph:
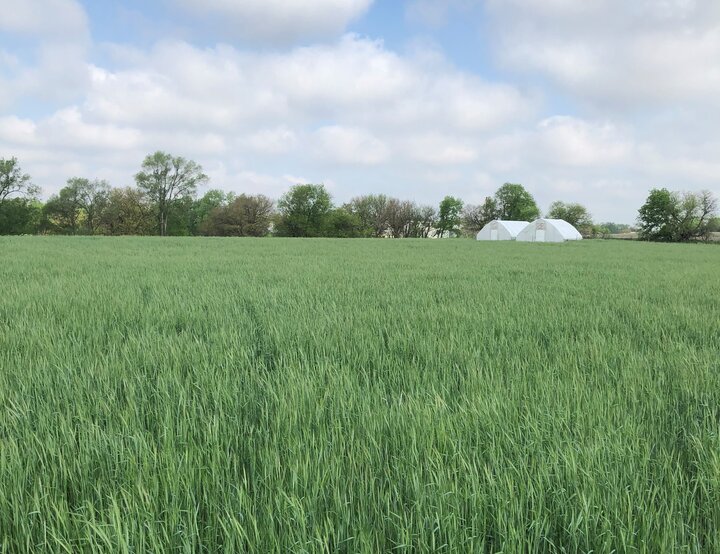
(165, 201)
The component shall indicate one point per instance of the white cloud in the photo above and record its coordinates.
(573, 142)
(49, 65)
(615, 53)
(280, 21)
(349, 145)
(438, 149)
(49, 18)
(639, 80)
(275, 141)
(317, 111)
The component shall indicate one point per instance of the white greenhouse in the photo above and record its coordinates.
(501, 230)
(549, 230)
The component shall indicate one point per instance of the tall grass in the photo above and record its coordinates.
(224, 395)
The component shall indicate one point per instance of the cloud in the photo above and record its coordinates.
(47, 18)
(348, 145)
(280, 21)
(621, 106)
(614, 53)
(48, 63)
(317, 111)
(437, 149)
(271, 99)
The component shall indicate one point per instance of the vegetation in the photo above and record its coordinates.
(167, 179)
(244, 216)
(575, 214)
(304, 212)
(449, 217)
(14, 181)
(218, 395)
(677, 217)
(510, 202)
(514, 203)
(166, 202)
(474, 218)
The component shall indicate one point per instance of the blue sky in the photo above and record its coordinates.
(595, 101)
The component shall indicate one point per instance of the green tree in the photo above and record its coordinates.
(77, 208)
(658, 215)
(165, 179)
(371, 210)
(245, 216)
(449, 216)
(304, 211)
(514, 203)
(14, 181)
(92, 198)
(575, 214)
(615, 228)
(679, 217)
(20, 216)
(61, 213)
(344, 224)
(204, 206)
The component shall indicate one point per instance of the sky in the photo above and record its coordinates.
(590, 101)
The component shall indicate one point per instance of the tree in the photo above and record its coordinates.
(371, 210)
(400, 217)
(575, 214)
(245, 216)
(449, 217)
(92, 198)
(426, 219)
(61, 213)
(657, 216)
(180, 215)
(678, 217)
(344, 224)
(304, 212)
(474, 218)
(714, 225)
(514, 203)
(128, 212)
(20, 216)
(697, 210)
(14, 181)
(165, 178)
(203, 207)
(77, 207)
(615, 228)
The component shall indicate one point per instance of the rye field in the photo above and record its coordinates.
(231, 395)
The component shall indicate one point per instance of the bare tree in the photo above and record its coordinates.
(474, 218)
(400, 217)
(427, 217)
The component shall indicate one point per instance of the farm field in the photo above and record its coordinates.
(280, 395)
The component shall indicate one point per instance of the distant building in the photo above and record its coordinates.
(501, 230)
(548, 230)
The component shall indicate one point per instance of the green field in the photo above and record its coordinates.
(272, 395)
